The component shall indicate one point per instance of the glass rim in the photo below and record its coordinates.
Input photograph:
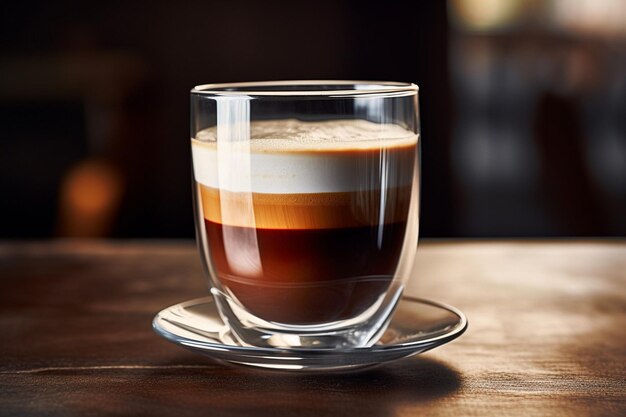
(307, 88)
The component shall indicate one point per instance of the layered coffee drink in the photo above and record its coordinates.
(305, 221)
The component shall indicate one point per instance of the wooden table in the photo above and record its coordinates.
(547, 336)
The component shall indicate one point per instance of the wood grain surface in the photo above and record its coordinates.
(547, 336)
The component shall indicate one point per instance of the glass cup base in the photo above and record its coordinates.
(363, 330)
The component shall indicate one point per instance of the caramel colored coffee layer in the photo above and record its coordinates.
(303, 211)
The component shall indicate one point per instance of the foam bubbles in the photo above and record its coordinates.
(295, 157)
(291, 135)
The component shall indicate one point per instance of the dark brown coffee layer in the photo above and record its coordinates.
(307, 276)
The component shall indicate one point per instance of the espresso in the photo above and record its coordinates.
(310, 226)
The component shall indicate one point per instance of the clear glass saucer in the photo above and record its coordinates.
(418, 325)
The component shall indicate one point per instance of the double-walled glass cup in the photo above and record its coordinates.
(306, 205)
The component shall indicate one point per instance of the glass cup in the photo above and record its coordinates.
(306, 206)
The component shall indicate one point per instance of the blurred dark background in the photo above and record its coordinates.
(523, 106)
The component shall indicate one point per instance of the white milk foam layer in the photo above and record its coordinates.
(296, 157)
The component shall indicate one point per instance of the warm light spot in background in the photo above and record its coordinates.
(584, 17)
(90, 196)
(591, 17)
(486, 14)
